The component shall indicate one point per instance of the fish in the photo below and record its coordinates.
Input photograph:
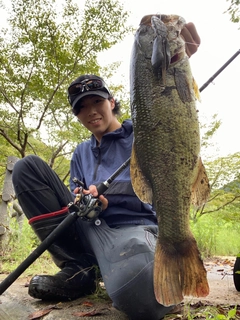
(166, 168)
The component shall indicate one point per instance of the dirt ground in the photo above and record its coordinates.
(16, 304)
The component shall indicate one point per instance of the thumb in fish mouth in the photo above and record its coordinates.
(188, 32)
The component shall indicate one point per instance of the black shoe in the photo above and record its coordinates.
(236, 273)
(70, 283)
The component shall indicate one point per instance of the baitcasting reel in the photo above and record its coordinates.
(87, 207)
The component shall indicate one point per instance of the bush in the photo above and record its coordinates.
(21, 242)
(215, 236)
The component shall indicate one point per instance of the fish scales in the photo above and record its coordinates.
(165, 159)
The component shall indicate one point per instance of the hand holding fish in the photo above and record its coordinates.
(191, 38)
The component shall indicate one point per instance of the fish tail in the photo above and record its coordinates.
(167, 287)
(179, 272)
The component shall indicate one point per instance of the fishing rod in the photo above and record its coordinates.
(219, 71)
(87, 208)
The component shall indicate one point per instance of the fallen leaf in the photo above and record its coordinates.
(42, 312)
(87, 314)
(87, 304)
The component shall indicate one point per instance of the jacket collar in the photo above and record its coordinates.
(123, 132)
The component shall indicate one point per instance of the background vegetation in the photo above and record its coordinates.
(43, 48)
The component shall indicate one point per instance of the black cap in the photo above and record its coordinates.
(74, 99)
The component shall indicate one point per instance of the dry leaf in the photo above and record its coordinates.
(87, 304)
(92, 313)
(42, 312)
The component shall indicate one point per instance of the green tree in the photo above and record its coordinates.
(43, 48)
(208, 131)
(224, 177)
(234, 10)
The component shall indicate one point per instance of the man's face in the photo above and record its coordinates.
(96, 115)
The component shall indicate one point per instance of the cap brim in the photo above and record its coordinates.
(100, 93)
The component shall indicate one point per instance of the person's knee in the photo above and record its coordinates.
(136, 297)
(140, 305)
(24, 169)
(21, 164)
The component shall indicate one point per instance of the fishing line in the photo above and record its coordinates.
(194, 43)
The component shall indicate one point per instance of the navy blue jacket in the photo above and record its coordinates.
(94, 164)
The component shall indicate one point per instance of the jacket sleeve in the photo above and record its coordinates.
(75, 170)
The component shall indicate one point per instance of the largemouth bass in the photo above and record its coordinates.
(166, 168)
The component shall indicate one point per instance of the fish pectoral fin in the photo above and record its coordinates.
(201, 187)
(139, 183)
(196, 90)
(186, 90)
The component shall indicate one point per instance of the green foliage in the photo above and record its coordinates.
(208, 131)
(205, 236)
(224, 178)
(21, 242)
(216, 235)
(44, 48)
(213, 314)
(234, 10)
(212, 222)
(205, 311)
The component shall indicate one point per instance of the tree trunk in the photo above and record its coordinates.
(8, 195)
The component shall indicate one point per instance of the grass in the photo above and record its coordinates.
(216, 237)
(21, 242)
(208, 312)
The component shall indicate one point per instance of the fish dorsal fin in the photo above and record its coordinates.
(139, 183)
(201, 186)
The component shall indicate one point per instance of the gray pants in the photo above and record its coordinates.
(125, 257)
(124, 254)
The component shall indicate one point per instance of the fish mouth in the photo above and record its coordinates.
(177, 57)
